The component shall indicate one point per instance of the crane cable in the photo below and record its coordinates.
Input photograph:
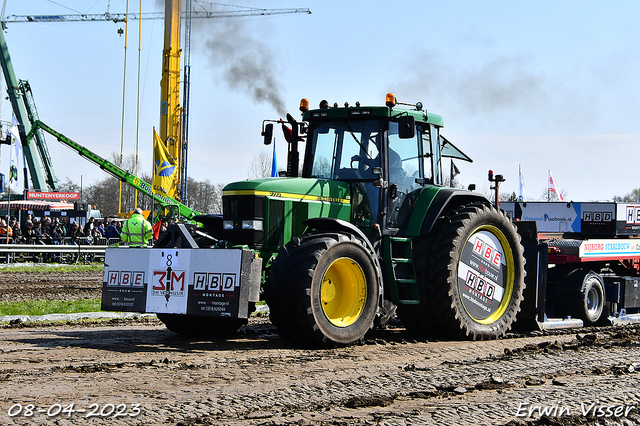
(124, 83)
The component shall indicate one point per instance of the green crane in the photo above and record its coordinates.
(36, 154)
(126, 177)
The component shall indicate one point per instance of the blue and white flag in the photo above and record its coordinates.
(522, 195)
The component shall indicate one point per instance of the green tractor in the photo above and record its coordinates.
(369, 226)
(362, 227)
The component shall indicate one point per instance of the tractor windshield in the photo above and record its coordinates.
(344, 150)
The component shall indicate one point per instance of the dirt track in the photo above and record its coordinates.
(49, 285)
(257, 379)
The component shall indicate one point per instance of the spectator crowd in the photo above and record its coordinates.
(48, 230)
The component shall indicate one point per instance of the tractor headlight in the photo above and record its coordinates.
(227, 224)
(256, 225)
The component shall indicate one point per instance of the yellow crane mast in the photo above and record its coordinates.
(170, 111)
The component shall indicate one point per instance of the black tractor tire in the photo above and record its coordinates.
(587, 299)
(201, 326)
(323, 290)
(470, 273)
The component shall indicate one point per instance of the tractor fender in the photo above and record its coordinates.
(431, 204)
(330, 224)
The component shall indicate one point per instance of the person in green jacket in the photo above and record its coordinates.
(137, 231)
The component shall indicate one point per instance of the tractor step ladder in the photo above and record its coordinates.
(404, 285)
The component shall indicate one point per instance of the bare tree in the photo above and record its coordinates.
(551, 195)
(260, 166)
(205, 196)
(68, 185)
(109, 194)
(632, 197)
(505, 196)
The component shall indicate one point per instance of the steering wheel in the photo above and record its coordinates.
(362, 160)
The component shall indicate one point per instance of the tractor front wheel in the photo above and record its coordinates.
(323, 290)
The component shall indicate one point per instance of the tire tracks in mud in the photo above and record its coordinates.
(416, 395)
(258, 380)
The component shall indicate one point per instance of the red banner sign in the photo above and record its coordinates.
(33, 195)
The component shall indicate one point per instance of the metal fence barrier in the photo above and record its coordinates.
(83, 252)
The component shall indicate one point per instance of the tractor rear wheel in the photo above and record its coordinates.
(323, 290)
(470, 271)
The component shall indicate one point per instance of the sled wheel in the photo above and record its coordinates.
(201, 326)
(587, 301)
(323, 290)
(470, 271)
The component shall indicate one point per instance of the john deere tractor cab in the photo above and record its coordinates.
(366, 229)
(383, 159)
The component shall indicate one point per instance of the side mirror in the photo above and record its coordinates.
(268, 133)
(406, 127)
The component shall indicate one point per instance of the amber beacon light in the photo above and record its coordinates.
(304, 105)
(391, 100)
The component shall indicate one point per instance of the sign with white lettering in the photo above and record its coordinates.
(37, 195)
(173, 281)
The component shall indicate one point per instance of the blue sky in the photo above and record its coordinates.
(550, 85)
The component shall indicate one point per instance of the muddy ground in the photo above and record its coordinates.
(135, 372)
(15, 286)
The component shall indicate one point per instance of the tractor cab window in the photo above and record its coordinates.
(406, 162)
(344, 150)
(420, 158)
(348, 151)
(431, 146)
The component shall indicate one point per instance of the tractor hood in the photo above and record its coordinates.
(296, 189)
(264, 214)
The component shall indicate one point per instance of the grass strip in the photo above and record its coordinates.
(46, 268)
(44, 307)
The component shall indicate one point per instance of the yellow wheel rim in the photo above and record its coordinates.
(343, 292)
(509, 277)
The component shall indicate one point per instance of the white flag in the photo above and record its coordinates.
(553, 187)
(522, 195)
(14, 182)
(15, 134)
